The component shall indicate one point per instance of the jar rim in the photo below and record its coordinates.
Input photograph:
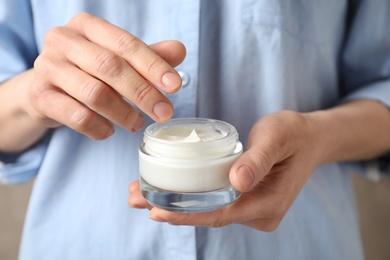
(217, 147)
(218, 125)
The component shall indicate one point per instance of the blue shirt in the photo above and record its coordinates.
(245, 59)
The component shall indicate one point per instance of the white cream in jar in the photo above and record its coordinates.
(189, 154)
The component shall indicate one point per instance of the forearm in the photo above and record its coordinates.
(18, 130)
(358, 130)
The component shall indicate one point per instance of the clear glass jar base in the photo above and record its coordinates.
(189, 202)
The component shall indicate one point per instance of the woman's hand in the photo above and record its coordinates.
(284, 148)
(89, 68)
(281, 156)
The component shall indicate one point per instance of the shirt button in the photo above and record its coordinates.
(185, 78)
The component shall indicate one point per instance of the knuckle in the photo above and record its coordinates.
(42, 65)
(104, 134)
(142, 92)
(263, 161)
(217, 224)
(52, 35)
(153, 65)
(55, 36)
(220, 220)
(109, 64)
(127, 44)
(80, 18)
(80, 119)
(39, 62)
(128, 117)
(93, 92)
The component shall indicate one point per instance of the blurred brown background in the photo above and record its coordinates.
(373, 202)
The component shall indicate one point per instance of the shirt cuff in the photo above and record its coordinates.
(378, 91)
(20, 168)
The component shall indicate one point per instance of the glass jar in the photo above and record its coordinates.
(185, 163)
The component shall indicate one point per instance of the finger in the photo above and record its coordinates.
(209, 219)
(136, 200)
(96, 95)
(172, 52)
(253, 165)
(255, 209)
(116, 72)
(146, 62)
(250, 168)
(60, 107)
(234, 213)
(134, 186)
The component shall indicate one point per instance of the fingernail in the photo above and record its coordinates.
(171, 81)
(138, 124)
(245, 176)
(162, 110)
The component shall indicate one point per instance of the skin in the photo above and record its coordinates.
(85, 71)
(284, 148)
(88, 67)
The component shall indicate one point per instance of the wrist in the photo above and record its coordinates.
(354, 131)
(323, 128)
(19, 130)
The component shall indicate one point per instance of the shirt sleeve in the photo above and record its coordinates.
(20, 168)
(365, 61)
(17, 42)
(17, 54)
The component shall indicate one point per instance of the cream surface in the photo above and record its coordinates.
(190, 134)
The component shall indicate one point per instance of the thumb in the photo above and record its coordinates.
(252, 166)
(171, 51)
